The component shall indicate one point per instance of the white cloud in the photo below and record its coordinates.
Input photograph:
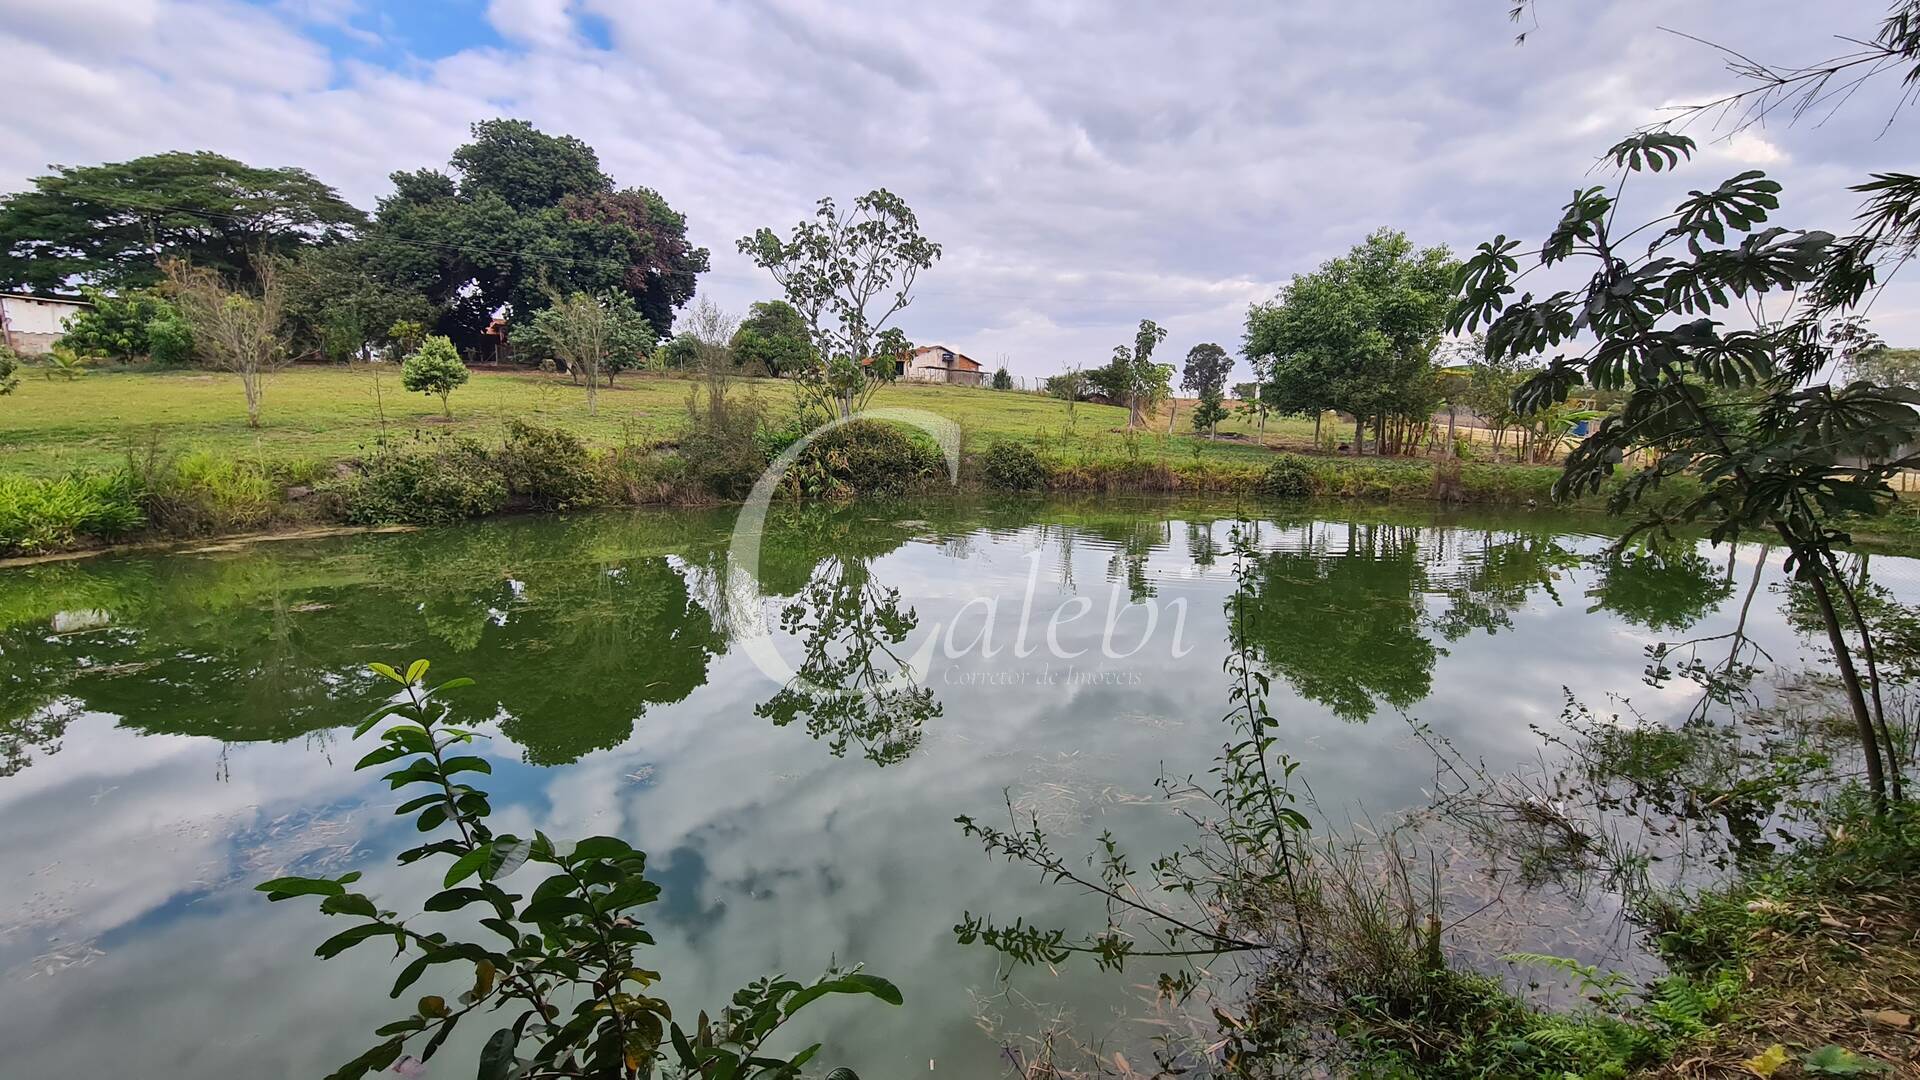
(1750, 148)
(541, 23)
(1083, 169)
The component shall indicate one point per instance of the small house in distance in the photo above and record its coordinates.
(29, 325)
(938, 363)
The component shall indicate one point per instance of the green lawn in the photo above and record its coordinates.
(52, 427)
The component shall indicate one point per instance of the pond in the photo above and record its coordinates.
(175, 729)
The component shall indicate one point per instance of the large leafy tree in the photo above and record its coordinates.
(526, 168)
(1358, 334)
(339, 307)
(1889, 367)
(773, 336)
(113, 225)
(521, 217)
(661, 263)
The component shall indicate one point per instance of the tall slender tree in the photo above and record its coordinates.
(848, 273)
(1133, 376)
(1206, 375)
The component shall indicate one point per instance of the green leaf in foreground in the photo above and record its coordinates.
(1831, 1060)
(579, 928)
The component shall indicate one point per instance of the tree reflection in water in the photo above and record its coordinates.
(1663, 592)
(583, 624)
(1341, 621)
(847, 689)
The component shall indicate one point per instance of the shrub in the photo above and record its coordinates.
(863, 457)
(1014, 466)
(682, 352)
(117, 328)
(9, 370)
(1002, 379)
(547, 468)
(637, 475)
(201, 493)
(64, 362)
(721, 448)
(434, 368)
(428, 483)
(775, 441)
(48, 515)
(1290, 476)
(170, 340)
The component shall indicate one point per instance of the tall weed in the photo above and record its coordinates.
(201, 493)
(38, 515)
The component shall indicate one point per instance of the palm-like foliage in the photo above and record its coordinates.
(1717, 331)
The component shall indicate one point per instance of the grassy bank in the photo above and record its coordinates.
(1821, 946)
(125, 455)
(49, 428)
(439, 479)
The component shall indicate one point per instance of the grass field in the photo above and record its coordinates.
(49, 428)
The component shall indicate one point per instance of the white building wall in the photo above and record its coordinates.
(33, 323)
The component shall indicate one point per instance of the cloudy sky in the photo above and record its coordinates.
(1084, 163)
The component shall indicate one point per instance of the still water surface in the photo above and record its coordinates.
(171, 733)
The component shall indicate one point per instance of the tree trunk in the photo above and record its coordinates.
(1359, 434)
(1317, 417)
(1862, 720)
(446, 406)
(250, 385)
(1453, 448)
(1894, 781)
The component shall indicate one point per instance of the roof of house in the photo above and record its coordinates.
(74, 301)
(960, 359)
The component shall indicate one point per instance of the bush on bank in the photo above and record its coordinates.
(433, 481)
(41, 515)
(439, 479)
(864, 458)
(1012, 466)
